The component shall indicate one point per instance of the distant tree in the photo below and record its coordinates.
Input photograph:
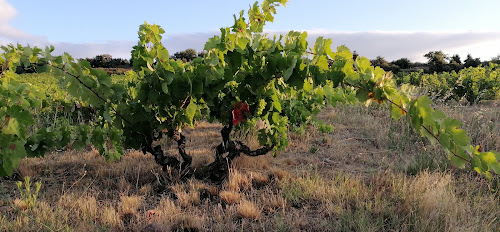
(420, 66)
(403, 63)
(202, 53)
(436, 60)
(471, 62)
(456, 59)
(455, 63)
(186, 55)
(381, 62)
(107, 61)
(100, 61)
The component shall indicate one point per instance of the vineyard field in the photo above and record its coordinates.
(258, 132)
(470, 84)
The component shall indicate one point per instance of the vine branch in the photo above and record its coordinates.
(405, 111)
(90, 89)
(7, 119)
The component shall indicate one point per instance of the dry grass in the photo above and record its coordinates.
(248, 209)
(229, 197)
(129, 204)
(168, 211)
(110, 217)
(187, 195)
(370, 174)
(239, 181)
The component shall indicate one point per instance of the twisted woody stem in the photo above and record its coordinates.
(235, 148)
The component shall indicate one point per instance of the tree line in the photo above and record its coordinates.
(437, 61)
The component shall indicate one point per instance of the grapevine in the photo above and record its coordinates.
(244, 77)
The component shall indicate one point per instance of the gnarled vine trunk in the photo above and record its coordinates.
(218, 170)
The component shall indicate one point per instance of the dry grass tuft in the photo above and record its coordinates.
(186, 195)
(439, 208)
(129, 204)
(152, 215)
(239, 181)
(273, 201)
(86, 208)
(20, 204)
(279, 173)
(82, 208)
(110, 217)
(229, 197)
(168, 211)
(188, 223)
(248, 209)
(55, 218)
(259, 179)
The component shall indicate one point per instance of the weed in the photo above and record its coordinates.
(29, 196)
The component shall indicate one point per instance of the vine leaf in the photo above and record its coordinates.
(191, 111)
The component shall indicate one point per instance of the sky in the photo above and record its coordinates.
(388, 28)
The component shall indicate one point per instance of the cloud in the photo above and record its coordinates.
(7, 32)
(118, 49)
(391, 45)
(413, 45)
(180, 42)
(122, 49)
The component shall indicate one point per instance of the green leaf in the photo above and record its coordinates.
(343, 53)
(319, 46)
(396, 112)
(11, 157)
(424, 110)
(362, 95)
(212, 43)
(242, 42)
(191, 110)
(163, 55)
(107, 116)
(458, 162)
(169, 77)
(164, 87)
(13, 128)
(322, 63)
(415, 118)
(275, 118)
(104, 79)
(23, 116)
(458, 135)
(328, 48)
(212, 58)
(444, 140)
(363, 63)
(488, 157)
(290, 69)
(308, 85)
(276, 103)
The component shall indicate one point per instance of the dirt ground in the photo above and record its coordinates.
(370, 174)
